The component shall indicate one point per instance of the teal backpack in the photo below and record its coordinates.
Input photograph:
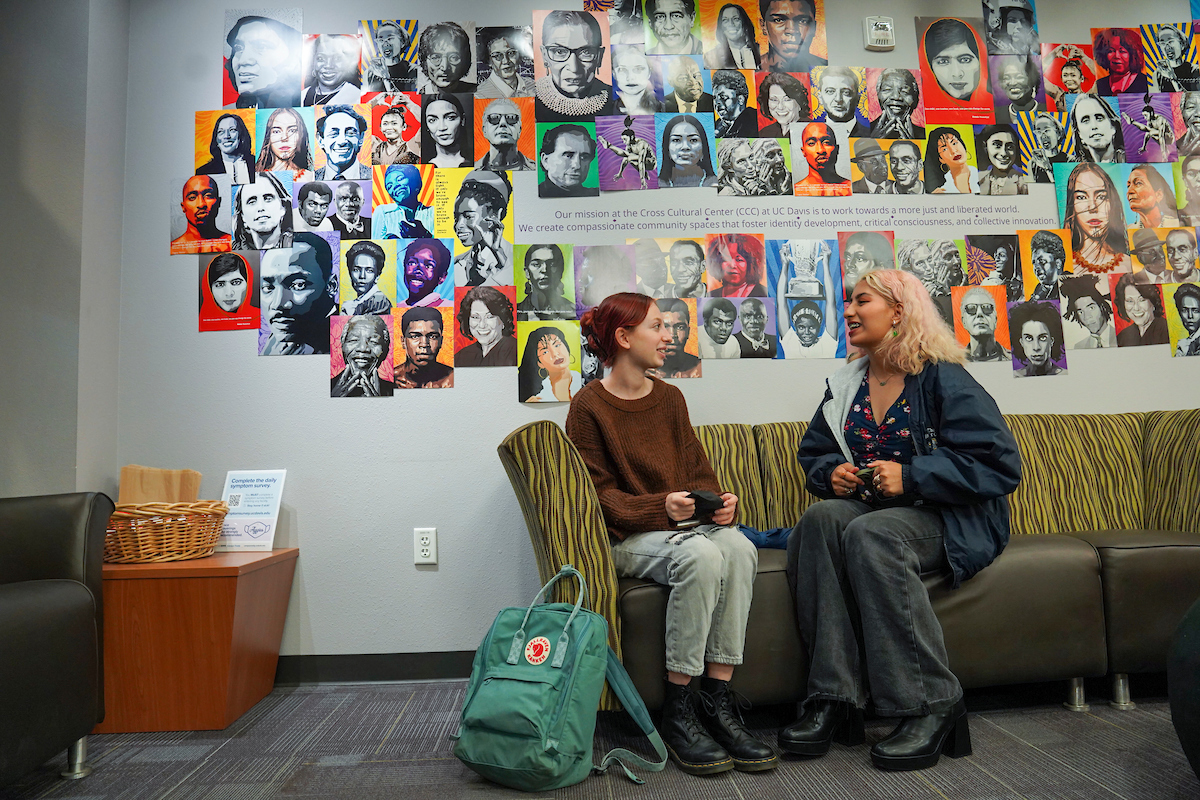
(530, 710)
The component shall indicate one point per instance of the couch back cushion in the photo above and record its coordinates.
(782, 478)
(1079, 472)
(734, 459)
(1171, 469)
(562, 513)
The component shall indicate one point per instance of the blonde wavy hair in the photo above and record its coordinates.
(923, 336)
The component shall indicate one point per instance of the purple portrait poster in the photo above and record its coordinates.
(627, 157)
(1146, 124)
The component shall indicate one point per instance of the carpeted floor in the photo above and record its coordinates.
(390, 741)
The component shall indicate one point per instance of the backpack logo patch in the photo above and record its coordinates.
(538, 650)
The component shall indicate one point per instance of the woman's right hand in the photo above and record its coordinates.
(844, 480)
(680, 506)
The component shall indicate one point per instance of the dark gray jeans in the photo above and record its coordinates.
(863, 611)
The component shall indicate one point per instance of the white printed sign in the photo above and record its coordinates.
(253, 498)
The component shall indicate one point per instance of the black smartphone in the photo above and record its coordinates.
(707, 503)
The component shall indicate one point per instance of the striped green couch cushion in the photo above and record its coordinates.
(1171, 464)
(734, 459)
(782, 478)
(1079, 472)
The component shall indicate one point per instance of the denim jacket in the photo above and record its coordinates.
(966, 462)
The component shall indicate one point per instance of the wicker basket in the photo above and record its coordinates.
(142, 533)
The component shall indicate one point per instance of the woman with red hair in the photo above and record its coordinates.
(670, 522)
(915, 464)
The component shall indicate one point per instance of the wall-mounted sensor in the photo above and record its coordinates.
(879, 33)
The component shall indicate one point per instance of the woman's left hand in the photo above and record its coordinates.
(888, 480)
(725, 515)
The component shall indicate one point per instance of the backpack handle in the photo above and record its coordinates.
(518, 642)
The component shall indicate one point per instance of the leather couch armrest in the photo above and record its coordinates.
(54, 536)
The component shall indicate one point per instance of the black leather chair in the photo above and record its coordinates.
(51, 629)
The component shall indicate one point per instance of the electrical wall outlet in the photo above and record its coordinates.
(424, 545)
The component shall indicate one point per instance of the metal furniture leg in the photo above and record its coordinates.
(1120, 691)
(1075, 697)
(77, 761)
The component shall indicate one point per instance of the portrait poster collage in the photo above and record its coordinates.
(354, 196)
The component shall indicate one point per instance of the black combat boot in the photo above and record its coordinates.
(720, 716)
(688, 743)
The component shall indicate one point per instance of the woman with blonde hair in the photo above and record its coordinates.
(914, 462)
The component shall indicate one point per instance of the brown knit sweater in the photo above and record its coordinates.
(637, 452)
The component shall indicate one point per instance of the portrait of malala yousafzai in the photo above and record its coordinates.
(954, 71)
(229, 291)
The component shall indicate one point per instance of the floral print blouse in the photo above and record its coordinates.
(886, 440)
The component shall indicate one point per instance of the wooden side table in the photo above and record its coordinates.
(192, 645)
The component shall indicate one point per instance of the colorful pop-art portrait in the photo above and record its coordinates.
(736, 264)
(261, 58)
(1147, 124)
(550, 362)
(863, 251)
(229, 291)
(894, 103)
(505, 134)
(343, 150)
(1045, 141)
(1141, 317)
(1035, 329)
(1183, 318)
(950, 163)
(367, 277)
(687, 151)
(731, 31)
(395, 129)
(225, 143)
(1087, 312)
(954, 71)
(504, 63)
(1016, 85)
(1171, 57)
(567, 165)
(389, 56)
(638, 86)
(1010, 27)
(545, 281)
(447, 139)
(486, 320)
(804, 281)
(332, 69)
(200, 214)
(1121, 61)
(682, 354)
(361, 356)
(1067, 69)
(980, 322)
(627, 158)
(424, 350)
(1045, 261)
(474, 206)
(446, 58)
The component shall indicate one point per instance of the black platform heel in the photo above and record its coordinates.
(825, 722)
(918, 742)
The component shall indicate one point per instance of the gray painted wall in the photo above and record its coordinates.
(362, 474)
(43, 134)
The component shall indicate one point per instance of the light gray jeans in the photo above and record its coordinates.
(711, 578)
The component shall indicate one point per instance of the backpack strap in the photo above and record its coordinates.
(518, 642)
(622, 684)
